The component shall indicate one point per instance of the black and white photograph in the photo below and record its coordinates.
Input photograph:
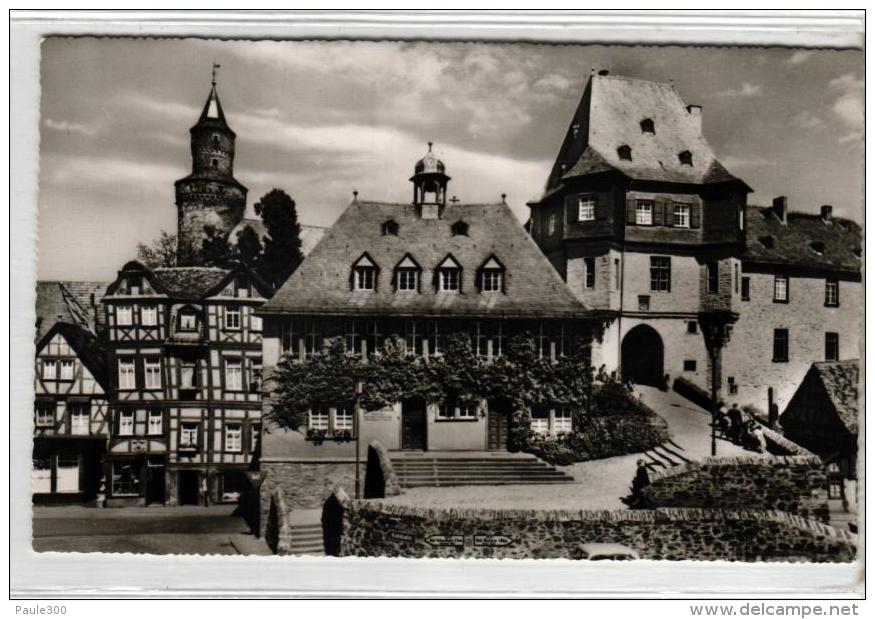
(448, 299)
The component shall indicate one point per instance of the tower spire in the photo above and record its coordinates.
(215, 66)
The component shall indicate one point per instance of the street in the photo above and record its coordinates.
(152, 530)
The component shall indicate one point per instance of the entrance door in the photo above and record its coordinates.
(498, 422)
(154, 482)
(188, 487)
(642, 357)
(413, 425)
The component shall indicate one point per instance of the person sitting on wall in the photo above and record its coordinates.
(736, 424)
(760, 437)
(639, 483)
(722, 422)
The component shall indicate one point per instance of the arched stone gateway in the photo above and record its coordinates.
(643, 356)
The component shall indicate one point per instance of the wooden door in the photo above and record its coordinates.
(497, 425)
(413, 425)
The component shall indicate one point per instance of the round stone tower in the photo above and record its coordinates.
(210, 196)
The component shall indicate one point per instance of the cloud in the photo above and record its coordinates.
(849, 106)
(800, 56)
(806, 120)
(746, 90)
(67, 127)
(111, 174)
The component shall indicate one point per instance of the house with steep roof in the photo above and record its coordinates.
(419, 271)
(640, 218)
(184, 366)
(73, 302)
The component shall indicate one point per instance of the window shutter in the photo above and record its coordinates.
(601, 207)
(571, 208)
(630, 210)
(658, 209)
(695, 215)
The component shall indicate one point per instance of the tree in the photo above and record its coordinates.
(249, 248)
(161, 252)
(216, 251)
(282, 248)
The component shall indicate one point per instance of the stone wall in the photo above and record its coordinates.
(305, 485)
(372, 528)
(380, 477)
(793, 484)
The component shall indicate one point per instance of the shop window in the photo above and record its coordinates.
(125, 479)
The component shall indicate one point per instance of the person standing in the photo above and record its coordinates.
(205, 490)
(736, 426)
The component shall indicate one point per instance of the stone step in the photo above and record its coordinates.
(474, 470)
(480, 482)
(416, 476)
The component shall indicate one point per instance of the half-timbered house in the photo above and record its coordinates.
(185, 367)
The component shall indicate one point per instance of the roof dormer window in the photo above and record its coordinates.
(624, 152)
(685, 157)
(390, 228)
(364, 274)
(460, 228)
(448, 275)
(647, 126)
(406, 278)
(490, 276)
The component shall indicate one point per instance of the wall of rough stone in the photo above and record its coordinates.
(793, 484)
(305, 485)
(372, 528)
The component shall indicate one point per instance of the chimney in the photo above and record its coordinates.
(826, 213)
(695, 112)
(779, 208)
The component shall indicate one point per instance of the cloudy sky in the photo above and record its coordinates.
(319, 119)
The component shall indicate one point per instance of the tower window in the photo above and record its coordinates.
(214, 163)
(782, 289)
(460, 228)
(713, 277)
(648, 127)
(589, 276)
(831, 341)
(390, 228)
(781, 345)
(686, 158)
(831, 298)
(624, 152)
(215, 141)
(660, 273)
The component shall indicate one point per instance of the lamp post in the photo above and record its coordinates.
(358, 434)
(716, 328)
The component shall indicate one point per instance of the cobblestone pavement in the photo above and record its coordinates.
(153, 530)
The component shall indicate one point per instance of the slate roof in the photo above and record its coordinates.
(792, 243)
(68, 301)
(609, 116)
(840, 379)
(321, 285)
(191, 282)
(87, 346)
(310, 235)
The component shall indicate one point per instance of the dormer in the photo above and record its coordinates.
(685, 158)
(648, 127)
(407, 275)
(624, 152)
(448, 275)
(490, 276)
(389, 228)
(364, 274)
(460, 228)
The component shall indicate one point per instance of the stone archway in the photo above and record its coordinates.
(643, 356)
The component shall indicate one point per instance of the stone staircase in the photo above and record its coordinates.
(665, 456)
(425, 469)
(306, 539)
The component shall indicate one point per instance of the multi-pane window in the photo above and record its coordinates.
(233, 374)
(562, 420)
(782, 288)
(124, 315)
(832, 346)
(152, 372)
(682, 215)
(156, 423)
(126, 423)
(481, 339)
(660, 273)
(255, 372)
(343, 417)
(187, 321)
(452, 408)
(644, 212)
(354, 334)
(589, 276)
(79, 419)
(364, 278)
(413, 333)
(491, 280)
(373, 335)
(585, 208)
(50, 370)
(126, 375)
(232, 318)
(66, 370)
(318, 418)
(407, 279)
(148, 316)
(233, 437)
(745, 289)
(540, 420)
(433, 335)
(45, 414)
(832, 293)
(188, 432)
(713, 273)
(781, 345)
(449, 280)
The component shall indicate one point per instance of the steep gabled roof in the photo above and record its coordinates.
(86, 345)
(610, 115)
(772, 242)
(321, 285)
(190, 283)
(212, 114)
(840, 380)
(69, 302)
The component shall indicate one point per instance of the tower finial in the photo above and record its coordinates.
(215, 66)
(429, 146)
